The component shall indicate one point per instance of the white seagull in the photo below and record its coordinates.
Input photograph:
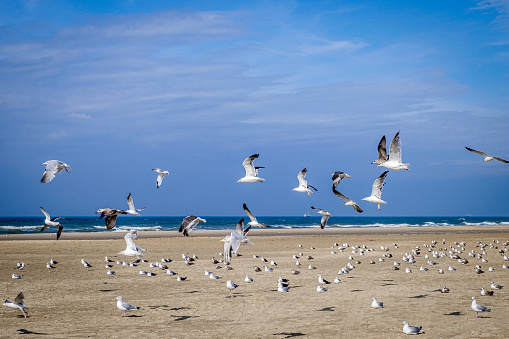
(251, 171)
(394, 161)
(377, 304)
(52, 167)
(132, 210)
(51, 222)
(325, 216)
(407, 329)
(486, 156)
(131, 249)
(348, 201)
(18, 303)
(251, 216)
(478, 308)
(110, 216)
(337, 177)
(376, 191)
(189, 223)
(231, 286)
(123, 306)
(303, 183)
(161, 175)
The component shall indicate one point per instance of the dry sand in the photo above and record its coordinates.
(72, 301)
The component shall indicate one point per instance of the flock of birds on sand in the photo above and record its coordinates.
(232, 242)
(435, 255)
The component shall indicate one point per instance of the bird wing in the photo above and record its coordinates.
(227, 250)
(357, 208)
(240, 226)
(59, 232)
(48, 176)
(302, 178)
(309, 186)
(19, 299)
(247, 230)
(323, 222)
(395, 149)
(382, 151)
(378, 185)
(500, 159)
(337, 177)
(130, 202)
(111, 221)
(338, 194)
(248, 165)
(52, 165)
(158, 170)
(46, 214)
(236, 238)
(478, 152)
(188, 223)
(160, 178)
(129, 241)
(249, 214)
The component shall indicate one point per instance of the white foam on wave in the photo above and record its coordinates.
(7, 227)
(137, 228)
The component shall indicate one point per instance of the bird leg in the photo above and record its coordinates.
(379, 207)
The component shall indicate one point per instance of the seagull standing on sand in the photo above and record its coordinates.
(123, 306)
(303, 184)
(478, 308)
(394, 161)
(189, 223)
(51, 222)
(131, 249)
(376, 191)
(18, 303)
(231, 286)
(325, 216)
(486, 156)
(52, 167)
(251, 171)
(110, 216)
(337, 177)
(348, 201)
(161, 175)
(407, 329)
(251, 216)
(132, 210)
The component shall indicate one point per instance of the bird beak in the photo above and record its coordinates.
(347, 176)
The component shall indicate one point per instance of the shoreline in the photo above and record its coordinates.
(263, 232)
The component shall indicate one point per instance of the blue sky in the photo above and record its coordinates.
(116, 88)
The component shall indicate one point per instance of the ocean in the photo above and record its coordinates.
(20, 225)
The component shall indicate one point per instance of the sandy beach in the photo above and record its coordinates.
(71, 301)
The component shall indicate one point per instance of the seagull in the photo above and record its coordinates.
(251, 171)
(377, 304)
(18, 303)
(382, 152)
(322, 280)
(282, 288)
(110, 215)
(495, 286)
(160, 177)
(231, 286)
(303, 184)
(478, 308)
(407, 329)
(394, 160)
(240, 227)
(189, 223)
(486, 156)
(227, 249)
(16, 276)
(337, 177)
(348, 201)
(376, 191)
(131, 209)
(444, 290)
(325, 216)
(51, 222)
(237, 239)
(131, 249)
(485, 292)
(123, 306)
(248, 279)
(321, 289)
(52, 167)
(253, 221)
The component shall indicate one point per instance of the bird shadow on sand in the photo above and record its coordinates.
(133, 316)
(290, 334)
(327, 309)
(236, 296)
(23, 331)
(356, 290)
(190, 292)
(183, 317)
(454, 313)
(420, 296)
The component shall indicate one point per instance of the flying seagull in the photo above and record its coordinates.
(486, 156)
(376, 192)
(337, 177)
(18, 303)
(251, 216)
(240, 227)
(394, 161)
(251, 171)
(52, 167)
(131, 248)
(51, 222)
(189, 223)
(325, 216)
(110, 215)
(123, 306)
(160, 177)
(348, 201)
(131, 209)
(303, 184)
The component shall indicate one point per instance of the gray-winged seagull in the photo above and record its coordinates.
(52, 167)
(161, 175)
(189, 223)
(303, 184)
(251, 170)
(376, 191)
(251, 216)
(394, 161)
(51, 222)
(486, 156)
(348, 201)
(132, 210)
(110, 215)
(18, 303)
(325, 216)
